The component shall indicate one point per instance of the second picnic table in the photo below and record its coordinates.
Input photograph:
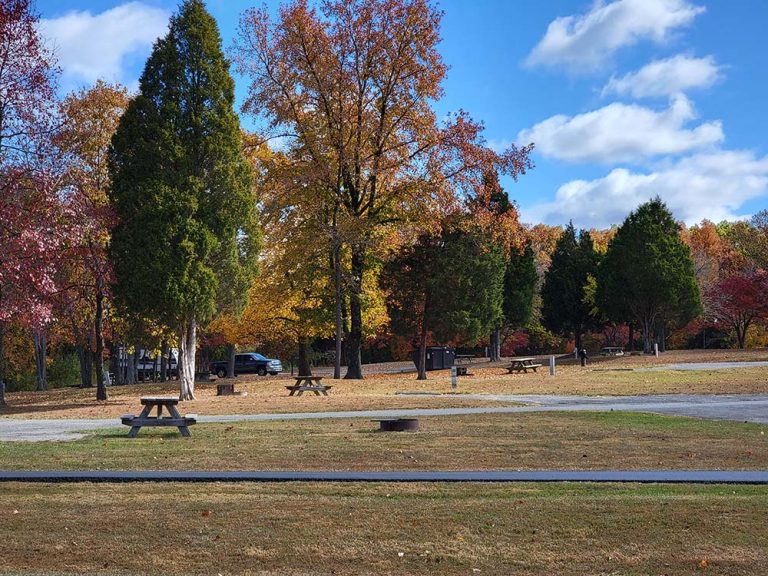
(522, 365)
(308, 384)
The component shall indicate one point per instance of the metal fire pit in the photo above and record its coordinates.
(398, 424)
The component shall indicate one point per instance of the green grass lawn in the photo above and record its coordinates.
(554, 440)
(275, 529)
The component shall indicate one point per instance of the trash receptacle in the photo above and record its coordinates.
(438, 357)
(449, 355)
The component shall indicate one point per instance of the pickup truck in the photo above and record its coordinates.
(248, 363)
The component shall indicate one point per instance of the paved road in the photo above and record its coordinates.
(737, 407)
(641, 476)
(702, 366)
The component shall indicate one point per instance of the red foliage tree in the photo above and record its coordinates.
(29, 211)
(737, 301)
(33, 228)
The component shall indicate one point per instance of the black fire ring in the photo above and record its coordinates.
(398, 424)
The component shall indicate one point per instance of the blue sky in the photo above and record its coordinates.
(624, 99)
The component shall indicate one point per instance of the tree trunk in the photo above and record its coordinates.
(98, 329)
(338, 310)
(41, 347)
(85, 361)
(113, 363)
(647, 336)
(164, 361)
(187, 347)
(422, 365)
(495, 345)
(577, 339)
(662, 338)
(170, 364)
(355, 339)
(130, 367)
(304, 368)
(741, 334)
(2, 363)
(230, 360)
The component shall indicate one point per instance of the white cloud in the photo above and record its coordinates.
(666, 77)
(586, 41)
(708, 185)
(622, 133)
(499, 145)
(91, 46)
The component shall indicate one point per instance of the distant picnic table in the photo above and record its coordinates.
(308, 384)
(464, 358)
(159, 402)
(612, 351)
(522, 365)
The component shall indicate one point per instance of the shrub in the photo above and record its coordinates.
(64, 370)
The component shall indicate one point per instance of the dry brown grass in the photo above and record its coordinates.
(367, 529)
(612, 376)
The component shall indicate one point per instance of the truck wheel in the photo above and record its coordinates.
(221, 373)
(273, 373)
(262, 371)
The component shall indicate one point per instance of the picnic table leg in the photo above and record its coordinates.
(185, 431)
(173, 412)
(145, 411)
(134, 431)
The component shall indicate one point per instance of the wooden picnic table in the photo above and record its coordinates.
(159, 402)
(522, 365)
(612, 351)
(464, 358)
(308, 384)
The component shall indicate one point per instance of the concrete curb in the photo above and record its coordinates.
(632, 476)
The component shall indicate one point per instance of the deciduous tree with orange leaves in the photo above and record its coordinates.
(89, 119)
(350, 85)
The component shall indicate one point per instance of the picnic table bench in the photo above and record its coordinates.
(308, 384)
(522, 365)
(173, 418)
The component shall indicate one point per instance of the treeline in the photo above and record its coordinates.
(357, 217)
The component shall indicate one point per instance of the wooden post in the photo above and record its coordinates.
(552, 365)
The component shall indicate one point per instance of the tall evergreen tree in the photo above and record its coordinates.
(449, 287)
(520, 286)
(519, 291)
(181, 187)
(647, 273)
(564, 308)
